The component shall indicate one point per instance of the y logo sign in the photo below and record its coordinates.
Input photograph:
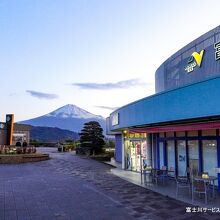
(194, 60)
(198, 57)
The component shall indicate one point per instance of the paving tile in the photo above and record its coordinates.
(71, 187)
(10, 215)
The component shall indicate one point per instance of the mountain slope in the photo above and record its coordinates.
(48, 134)
(69, 117)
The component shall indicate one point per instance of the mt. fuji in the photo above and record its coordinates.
(72, 111)
(69, 117)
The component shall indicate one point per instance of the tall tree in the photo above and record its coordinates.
(91, 137)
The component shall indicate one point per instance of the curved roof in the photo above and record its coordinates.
(190, 102)
(183, 67)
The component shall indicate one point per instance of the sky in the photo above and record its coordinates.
(96, 54)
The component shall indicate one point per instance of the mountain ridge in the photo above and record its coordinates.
(49, 134)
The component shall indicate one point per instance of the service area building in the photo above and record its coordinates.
(178, 126)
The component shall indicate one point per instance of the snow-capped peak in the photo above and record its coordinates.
(72, 111)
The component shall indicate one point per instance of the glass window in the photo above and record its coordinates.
(217, 36)
(146, 154)
(161, 154)
(170, 154)
(180, 134)
(169, 134)
(192, 133)
(181, 157)
(200, 46)
(211, 132)
(209, 151)
(176, 61)
(188, 53)
(193, 149)
(208, 42)
(128, 147)
(135, 151)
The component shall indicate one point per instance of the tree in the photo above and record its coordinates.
(91, 137)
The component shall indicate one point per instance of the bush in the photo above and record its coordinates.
(83, 151)
(18, 150)
(24, 144)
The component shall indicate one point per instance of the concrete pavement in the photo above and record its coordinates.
(71, 187)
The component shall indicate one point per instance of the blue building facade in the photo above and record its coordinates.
(179, 126)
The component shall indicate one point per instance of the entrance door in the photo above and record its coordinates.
(181, 157)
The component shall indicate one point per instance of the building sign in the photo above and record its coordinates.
(194, 60)
(217, 50)
(115, 118)
(19, 137)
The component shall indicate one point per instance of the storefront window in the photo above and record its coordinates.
(209, 150)
(180, 134)
(170, 134)
(193, 147)
(211, 132)
(161, 154)
(127, 149)
(192, 133)
(132, 155)
(146, 155)
(181, 157)
(170, 154)
(137, 154)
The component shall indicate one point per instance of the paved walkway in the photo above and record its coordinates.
(168, 188)
(69, 187)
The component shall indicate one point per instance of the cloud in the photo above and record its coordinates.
(42, 95)
(108, 86)
(106, 107)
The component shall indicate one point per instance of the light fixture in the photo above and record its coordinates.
(125, 131)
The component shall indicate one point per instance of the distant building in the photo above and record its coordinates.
(11, 133)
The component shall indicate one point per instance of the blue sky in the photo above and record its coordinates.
(97, 54)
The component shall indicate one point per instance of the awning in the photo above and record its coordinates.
(179, 127)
